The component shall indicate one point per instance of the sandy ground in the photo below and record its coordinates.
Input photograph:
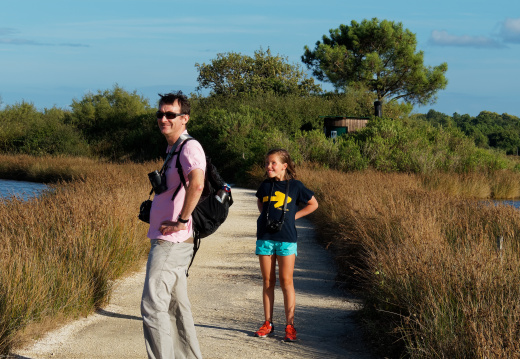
(225, 291)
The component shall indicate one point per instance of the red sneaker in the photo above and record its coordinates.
(290, 333)
(265, 330)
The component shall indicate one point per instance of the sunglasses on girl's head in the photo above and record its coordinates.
(169, 115)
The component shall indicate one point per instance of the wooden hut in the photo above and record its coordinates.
(339, 125)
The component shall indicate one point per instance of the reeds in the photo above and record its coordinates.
(60, 252)
(46, 169)
(434, 280)
(426, 261)
(503, 184)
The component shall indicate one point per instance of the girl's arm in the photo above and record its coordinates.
(311, 206)
(259, 204)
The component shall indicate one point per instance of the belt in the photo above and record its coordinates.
(189, 240)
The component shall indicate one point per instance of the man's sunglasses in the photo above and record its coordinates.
(169, 115)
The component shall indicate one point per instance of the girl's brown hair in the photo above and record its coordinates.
(285, 157)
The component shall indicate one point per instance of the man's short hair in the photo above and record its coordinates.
(182, 99)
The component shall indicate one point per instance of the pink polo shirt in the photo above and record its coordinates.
(163, 208)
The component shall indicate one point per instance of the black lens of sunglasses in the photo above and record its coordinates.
(169, 115)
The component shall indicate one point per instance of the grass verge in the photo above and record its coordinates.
(424, 258)
(61, 251)
(434, 281)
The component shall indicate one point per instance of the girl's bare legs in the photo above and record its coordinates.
(286, 271)
(268, 268)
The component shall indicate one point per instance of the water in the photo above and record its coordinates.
(515, 204)
(20, 189)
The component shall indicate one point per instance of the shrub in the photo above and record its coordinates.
(408, 146)
(349, 155)
(117, 124)
(39, 133)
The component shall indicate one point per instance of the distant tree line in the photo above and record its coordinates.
(487, 129)
(112, 124)
(237, 131)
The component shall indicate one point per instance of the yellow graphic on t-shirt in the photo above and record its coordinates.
(278, 198)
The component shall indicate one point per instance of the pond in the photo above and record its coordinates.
(515, 204)
(20, 189)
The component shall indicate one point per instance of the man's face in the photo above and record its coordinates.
(172, 129)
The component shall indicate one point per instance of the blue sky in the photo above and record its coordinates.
(54, 51)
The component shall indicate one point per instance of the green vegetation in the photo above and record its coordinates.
(26, 130)
(397, 198)
(243, 129)
(232, 74)
(64, 249)
(119, 126)
(488, 129)
(379, 56)
(435, 283)
(112, 124)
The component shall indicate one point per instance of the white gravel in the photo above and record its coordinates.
(225, 289)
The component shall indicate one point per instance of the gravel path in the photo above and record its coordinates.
(225, 289)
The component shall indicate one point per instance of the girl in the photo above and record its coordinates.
(278, 199)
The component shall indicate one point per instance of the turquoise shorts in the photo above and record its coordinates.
(268, 248)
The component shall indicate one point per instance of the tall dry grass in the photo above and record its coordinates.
(434, 281)
(504, 184)
(427, 261)
(45, 169)
(60, 252)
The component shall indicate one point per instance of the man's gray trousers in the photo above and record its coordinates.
(169, 329)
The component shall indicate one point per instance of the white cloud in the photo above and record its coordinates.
(510, 30)
(442, 38)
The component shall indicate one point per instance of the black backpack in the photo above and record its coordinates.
(210, 212)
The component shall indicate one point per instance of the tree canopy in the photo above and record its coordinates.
(117, 124)
(233, 73)
(106, 111)
(487, 129)
(378, 55)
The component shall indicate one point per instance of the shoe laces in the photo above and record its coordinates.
(267, 327)
(289, 330)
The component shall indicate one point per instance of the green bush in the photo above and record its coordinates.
(349, 156)
(315, 147)
(25, 130)
(117, 125)
(233, 139)
(237, 131)
(416, 147)
(488, 129)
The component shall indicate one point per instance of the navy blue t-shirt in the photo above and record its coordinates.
(298, 194)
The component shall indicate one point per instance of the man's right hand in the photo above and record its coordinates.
(169, 227)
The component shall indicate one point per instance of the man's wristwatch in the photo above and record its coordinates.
(179, 219)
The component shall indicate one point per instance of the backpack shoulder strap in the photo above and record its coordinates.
(179, 167)
(178, 162)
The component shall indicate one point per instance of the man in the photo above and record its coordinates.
(169, 329)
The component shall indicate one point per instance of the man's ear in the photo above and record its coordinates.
(186, 119)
